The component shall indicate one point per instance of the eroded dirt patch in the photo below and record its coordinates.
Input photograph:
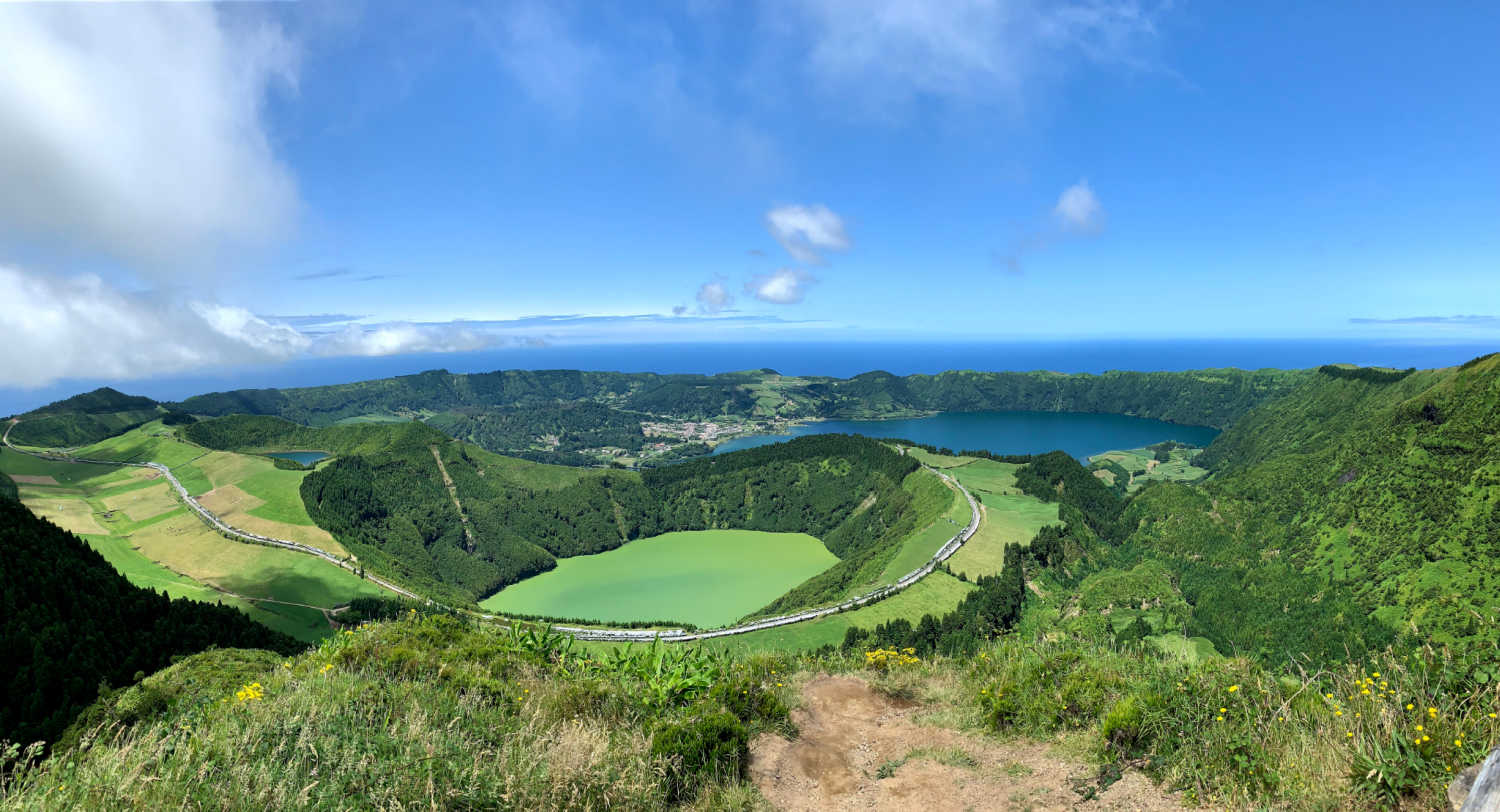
(860, 749)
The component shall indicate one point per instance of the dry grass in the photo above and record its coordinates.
(234, 505)
(143, 503)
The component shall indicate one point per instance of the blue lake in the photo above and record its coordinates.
(304, 457)
(1081, 435)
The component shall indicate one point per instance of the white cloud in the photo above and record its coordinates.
(786, 286)
(806, 231)
(136, 130)
(401, 337)
(81, 327)
(536, 46)
(1078, 208)
(714, 297)
(884, 52)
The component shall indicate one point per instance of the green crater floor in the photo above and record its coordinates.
(704, 577)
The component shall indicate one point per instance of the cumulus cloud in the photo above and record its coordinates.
(1078, 208)
(402, 337)
(136, 130)
(886, 52)
(714, 297)
(806, 231)
(786, 286)
(1077, 213)
(82, 327)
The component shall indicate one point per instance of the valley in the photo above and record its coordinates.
(828, 545)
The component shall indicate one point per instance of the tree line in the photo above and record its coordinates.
(71, 625)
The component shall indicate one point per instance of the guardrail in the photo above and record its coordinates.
(679, 636)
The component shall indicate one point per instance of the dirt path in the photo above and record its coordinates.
(463, 518)
(859, 749)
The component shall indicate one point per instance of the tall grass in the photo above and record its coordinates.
(422, 712)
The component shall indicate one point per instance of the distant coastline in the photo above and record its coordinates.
(842, 359)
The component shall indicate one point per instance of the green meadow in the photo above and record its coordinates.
(704, 577)
(131, 517)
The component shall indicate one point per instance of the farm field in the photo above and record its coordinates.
(1143, 467)
(935, 595)
(916, 551)
(130, 516)
(704, 577)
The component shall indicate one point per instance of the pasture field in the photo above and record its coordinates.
(244, 510)
(65, 474)
(936, 595)
(140, 504)
(152, 442)
(704, 577)
(1008, 519)
(376, 417)
(132, 518)
(525, 473)
(1143, 467)
(935, 461)
(987, 477)
(303, 624)
(922, 545)
(1185, 649)
(64, 510)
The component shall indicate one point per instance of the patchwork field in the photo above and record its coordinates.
(130, 516)
(1143, 467)
(704, 577)
(243, 510)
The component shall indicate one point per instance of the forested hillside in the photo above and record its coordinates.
(1358, 511)
(83, 419)
(70, 623)
(394, 510)
(553, 414)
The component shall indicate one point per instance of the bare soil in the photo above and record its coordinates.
(860, 749)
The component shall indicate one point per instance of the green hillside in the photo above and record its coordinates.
(76, 623)
(395, 511)
(582, 418)
(83, 419)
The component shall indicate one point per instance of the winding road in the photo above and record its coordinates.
(213, 520)
(612, 635)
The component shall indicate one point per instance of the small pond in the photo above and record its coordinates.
(304, 457)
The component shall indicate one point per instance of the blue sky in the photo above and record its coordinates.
(202, 186)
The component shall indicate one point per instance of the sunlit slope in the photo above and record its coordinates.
(1362, 506)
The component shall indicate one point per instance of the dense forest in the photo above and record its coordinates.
(70, 625)
(396, 512)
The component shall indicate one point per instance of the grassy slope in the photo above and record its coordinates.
(1384, 491)
(173, 551)
(421, 712)
(1010, 517)
(705, 577)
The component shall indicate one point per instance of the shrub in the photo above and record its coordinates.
(701, 748)
(1122, 727)
(749, 701)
